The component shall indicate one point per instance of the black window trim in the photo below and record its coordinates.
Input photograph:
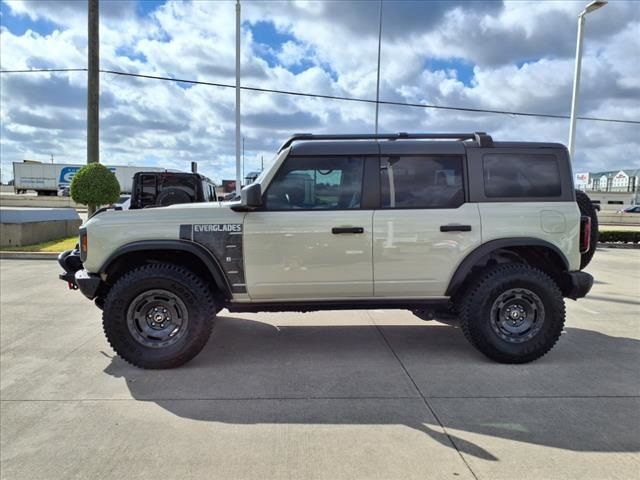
(463, 180)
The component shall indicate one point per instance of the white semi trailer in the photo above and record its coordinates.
(49, 178)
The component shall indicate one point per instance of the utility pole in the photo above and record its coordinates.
(243, 178)
(238, 174)
(93, 83)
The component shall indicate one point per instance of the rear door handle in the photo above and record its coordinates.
(340, 230)
(455, 228)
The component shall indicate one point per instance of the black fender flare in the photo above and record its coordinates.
(472, 259)
(205, 256)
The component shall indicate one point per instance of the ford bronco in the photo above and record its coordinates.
(452, 226)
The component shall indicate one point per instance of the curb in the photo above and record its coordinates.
(29, 255)
(619, 245)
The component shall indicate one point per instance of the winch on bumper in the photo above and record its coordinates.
(77, 277)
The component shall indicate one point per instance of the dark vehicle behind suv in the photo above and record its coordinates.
(161, 189)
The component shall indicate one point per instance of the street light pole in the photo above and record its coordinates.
(596, 4)
(238, 173)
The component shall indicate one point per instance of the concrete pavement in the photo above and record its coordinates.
(328, 395)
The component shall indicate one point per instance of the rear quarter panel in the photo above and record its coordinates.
(555, 222)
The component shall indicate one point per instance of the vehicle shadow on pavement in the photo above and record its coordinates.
(258, 373)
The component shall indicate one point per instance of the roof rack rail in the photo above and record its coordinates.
(482, 138)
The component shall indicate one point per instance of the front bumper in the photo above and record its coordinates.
(76, 276)
(581, 284)
(88, 283)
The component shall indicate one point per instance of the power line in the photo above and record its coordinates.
(334, 97)
(44, 70)
(366, 100)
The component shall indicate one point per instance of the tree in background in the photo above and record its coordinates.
(94, 185)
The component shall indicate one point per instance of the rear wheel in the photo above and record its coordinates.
(513, 314)
(158, 316)
(587, 209)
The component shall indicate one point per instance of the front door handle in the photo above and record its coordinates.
(340, 230)
(455, 228)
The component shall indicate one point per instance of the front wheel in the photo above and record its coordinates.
(513, 314)
(158, 316)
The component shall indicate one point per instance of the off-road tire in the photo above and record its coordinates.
(587, 208)
(195, 296)
(479, 326)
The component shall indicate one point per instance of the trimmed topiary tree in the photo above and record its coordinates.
(94, 185)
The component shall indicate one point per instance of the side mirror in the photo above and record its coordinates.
(251, 196)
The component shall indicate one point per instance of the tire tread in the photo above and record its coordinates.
(117, 332)
(481, 290)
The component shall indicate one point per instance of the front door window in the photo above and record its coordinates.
(317, 183)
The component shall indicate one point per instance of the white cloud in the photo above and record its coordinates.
(521, 55)
(292, 53)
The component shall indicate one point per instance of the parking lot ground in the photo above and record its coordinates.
(330, 395)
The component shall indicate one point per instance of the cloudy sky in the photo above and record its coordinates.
(514, 56)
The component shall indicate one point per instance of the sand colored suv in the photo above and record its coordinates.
(490, 234)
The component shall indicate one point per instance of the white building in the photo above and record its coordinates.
(612, 181)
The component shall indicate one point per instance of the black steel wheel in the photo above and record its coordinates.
(517, 315)
(513, 313)
(158, 316)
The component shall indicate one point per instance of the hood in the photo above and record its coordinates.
(206, 212)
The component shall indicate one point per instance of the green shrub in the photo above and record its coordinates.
(94, 185)
(624, 236)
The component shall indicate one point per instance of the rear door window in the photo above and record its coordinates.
(421, 182)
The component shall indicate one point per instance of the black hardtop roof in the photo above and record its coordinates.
(528, 145)
(400, 143)
(173, 173)
(480, 137)
(373, 147)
